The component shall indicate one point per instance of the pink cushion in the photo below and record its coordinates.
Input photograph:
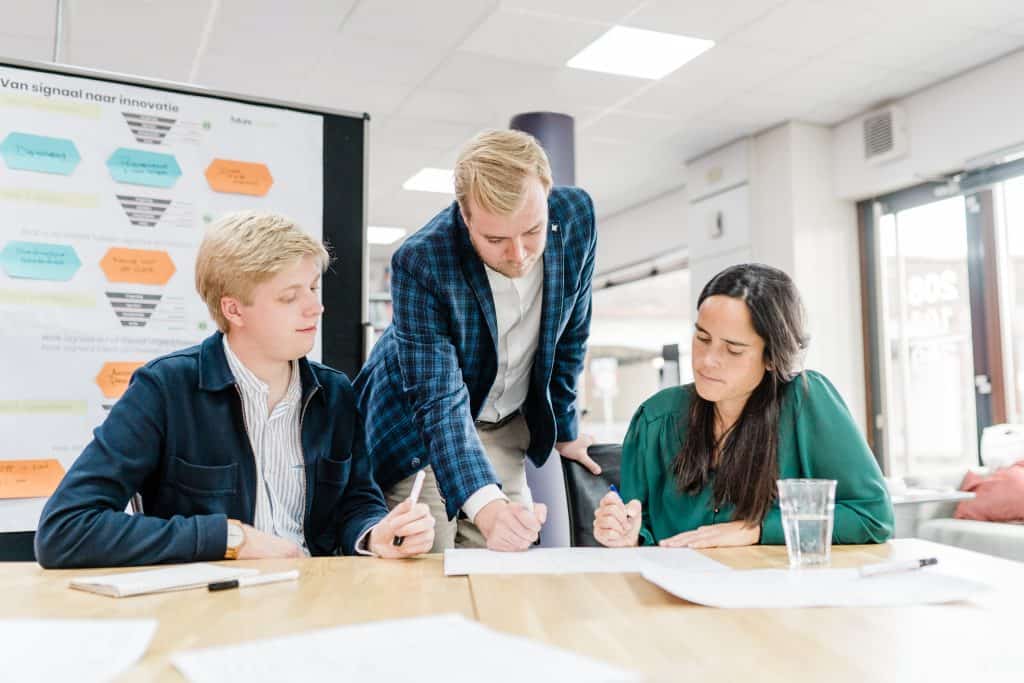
(999, 496)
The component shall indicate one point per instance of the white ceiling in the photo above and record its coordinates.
(432, 73)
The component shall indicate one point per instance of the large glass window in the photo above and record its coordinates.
(1011, 230)
(945, 263)
(928, 360)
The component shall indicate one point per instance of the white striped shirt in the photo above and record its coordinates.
(277, 444)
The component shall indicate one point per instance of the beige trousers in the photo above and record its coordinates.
(505, 447)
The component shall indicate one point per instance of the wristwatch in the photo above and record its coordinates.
(236, 539)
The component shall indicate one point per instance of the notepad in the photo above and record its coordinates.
(780, 588)
(460, 562)
(177, 578)
(399, 650)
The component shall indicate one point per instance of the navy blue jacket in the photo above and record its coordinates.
(430, 372)
(178, 437)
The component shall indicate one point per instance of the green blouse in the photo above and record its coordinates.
(817, 439)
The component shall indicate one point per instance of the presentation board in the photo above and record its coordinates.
(106, 186)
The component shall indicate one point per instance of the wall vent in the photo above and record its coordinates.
(885, 135)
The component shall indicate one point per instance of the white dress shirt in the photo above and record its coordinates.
(277, 445)
(517, 307)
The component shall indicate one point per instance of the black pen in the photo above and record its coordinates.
(891, 567)
(257, 580)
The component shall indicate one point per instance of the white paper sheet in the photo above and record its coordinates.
(176, 578)
(72, 649)
(779, 588)
(445, 648)
(459, 562)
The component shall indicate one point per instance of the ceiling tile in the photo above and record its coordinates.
(136, 38)
(534, 39)
(438, 23)
(262, 75)
(608, 11)
(973, 51)
(630, 127)
(452, 106)
(359, 60)
(896, 85)
(34, 19)
(301, 30)
(736, 65)
(980, 14)
(819, 80)
(467, 72)
(666, 100)
(807, 27)
(376, 99)
(419, 133)
(23, 47)
(708, 19)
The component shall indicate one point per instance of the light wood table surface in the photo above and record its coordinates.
(330, 592)
(626, 621)
(618, 618)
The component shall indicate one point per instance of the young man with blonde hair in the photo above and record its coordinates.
(479, 367)
(240, 447)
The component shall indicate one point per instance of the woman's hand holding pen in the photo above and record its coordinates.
(616, 524)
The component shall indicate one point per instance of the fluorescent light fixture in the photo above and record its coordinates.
(639, 53)
(376, 234)
(432, 180)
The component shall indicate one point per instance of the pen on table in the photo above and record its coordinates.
(417, 486)
(891, 567)
(257, 580)
(615, 489)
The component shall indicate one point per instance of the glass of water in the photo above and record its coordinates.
(808, 508)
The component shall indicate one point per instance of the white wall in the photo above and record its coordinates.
(641, 232)
(827, 271)
(973, 115)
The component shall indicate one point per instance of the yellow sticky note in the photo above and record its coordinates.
(29, 478)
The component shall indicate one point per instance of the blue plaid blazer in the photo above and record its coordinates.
(428, 375)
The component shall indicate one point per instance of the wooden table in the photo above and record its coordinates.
(329, 592)
(619, 618)
(627, 621)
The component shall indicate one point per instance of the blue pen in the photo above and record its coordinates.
(615, 489)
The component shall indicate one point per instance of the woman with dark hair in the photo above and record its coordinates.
(700, 461)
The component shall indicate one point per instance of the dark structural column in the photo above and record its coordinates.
(557, 135)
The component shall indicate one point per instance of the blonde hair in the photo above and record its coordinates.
(243, 249)
(493, 167)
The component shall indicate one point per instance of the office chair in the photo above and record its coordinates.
(583, 490)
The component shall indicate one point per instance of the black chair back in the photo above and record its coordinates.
(584, 491)
(17, 546)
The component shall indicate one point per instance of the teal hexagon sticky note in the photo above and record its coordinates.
(136, 167)
(26, 152)
(39, 261)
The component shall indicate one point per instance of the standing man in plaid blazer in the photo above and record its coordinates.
(479, 367)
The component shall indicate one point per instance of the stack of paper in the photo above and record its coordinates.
(177, 578)
(459, 562)
(72, 649)
(775, 588)
(446, 648)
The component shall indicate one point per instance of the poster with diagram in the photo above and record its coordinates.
(105, 192)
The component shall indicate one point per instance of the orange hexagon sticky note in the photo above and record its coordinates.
(140, 266)
(113, 377)
(239, 177)
(29, 478)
